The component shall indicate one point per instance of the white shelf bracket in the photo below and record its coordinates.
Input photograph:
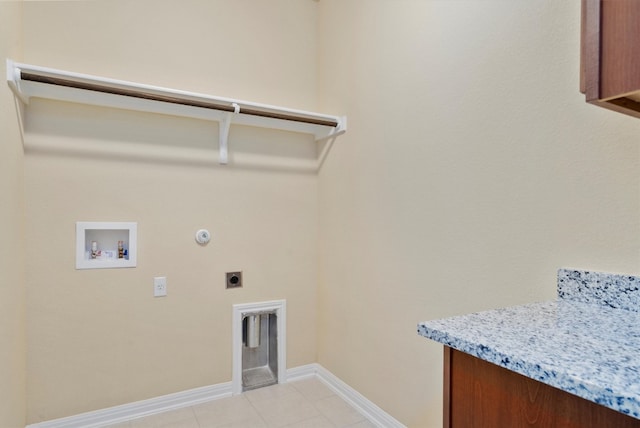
(13, 80)
(336, 132)
(225, 124)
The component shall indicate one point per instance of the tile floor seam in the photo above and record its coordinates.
(196, 416)
(257, 412)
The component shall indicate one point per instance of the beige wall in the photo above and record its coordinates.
(471, 171)
(12, 303)
(98, 338)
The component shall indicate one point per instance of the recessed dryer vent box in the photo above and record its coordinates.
(103, 245)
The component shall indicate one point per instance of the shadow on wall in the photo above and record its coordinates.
(72, 130)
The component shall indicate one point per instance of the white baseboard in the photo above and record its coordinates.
(366, 407)
(139, 409)
(302, 372)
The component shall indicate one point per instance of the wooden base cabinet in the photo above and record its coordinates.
(478, 394)
(610, 54)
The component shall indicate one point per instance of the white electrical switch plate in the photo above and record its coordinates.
(159, 286)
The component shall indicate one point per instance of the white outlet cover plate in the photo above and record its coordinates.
(160, 286)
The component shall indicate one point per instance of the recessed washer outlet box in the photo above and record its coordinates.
(234, 279)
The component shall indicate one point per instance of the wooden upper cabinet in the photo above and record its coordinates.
(610, 54)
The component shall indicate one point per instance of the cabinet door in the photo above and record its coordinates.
(610, 54)
(478, 394)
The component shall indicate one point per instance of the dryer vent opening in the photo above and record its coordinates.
(259, 350)
(259, 331)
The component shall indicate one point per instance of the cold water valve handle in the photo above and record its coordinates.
(203, 236)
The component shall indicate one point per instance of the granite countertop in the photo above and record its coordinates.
(586, 342)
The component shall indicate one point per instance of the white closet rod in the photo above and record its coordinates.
(17, 72)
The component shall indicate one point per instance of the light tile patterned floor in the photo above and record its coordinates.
(302, 404)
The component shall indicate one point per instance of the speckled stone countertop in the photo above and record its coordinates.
(587, 342)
